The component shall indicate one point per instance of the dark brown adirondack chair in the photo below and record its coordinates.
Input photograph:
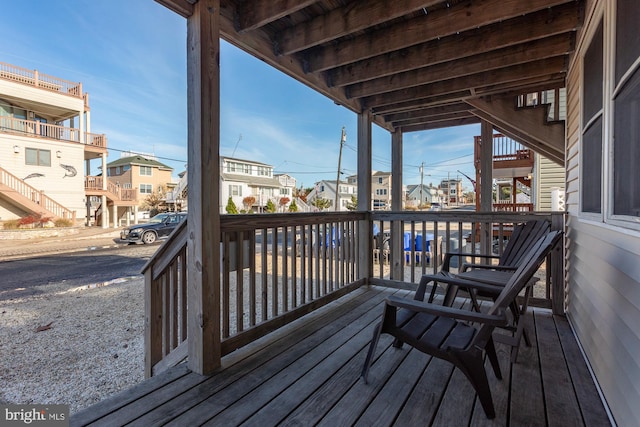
(446, 332)
(523, 237)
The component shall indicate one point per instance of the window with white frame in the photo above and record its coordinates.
(379, 180)
(626, 112)
(592, 112)
(146, 188)
(381, 192)
(146, 170)
(37, 157)
(235, 190)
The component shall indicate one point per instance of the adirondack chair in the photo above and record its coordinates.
(446, 332)
(523, 237)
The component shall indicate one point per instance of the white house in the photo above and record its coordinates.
(327, 190)
(240, 179)
(46, 145)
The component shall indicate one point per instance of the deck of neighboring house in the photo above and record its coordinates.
(307, 373)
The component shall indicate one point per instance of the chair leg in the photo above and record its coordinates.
(473, 368)
(493, 358)
(372, 349)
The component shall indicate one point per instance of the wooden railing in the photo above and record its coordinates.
(277, 268)
(36, 196)
(46, 130)
(94, 183)
(512, 207)
(39, 80)
(416, 251)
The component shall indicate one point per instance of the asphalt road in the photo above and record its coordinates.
(19, 278)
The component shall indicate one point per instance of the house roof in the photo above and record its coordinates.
(138, 160)
(253, 162)
(252, 180)
(414, 64)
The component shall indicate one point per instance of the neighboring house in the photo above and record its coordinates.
(452, 189)
(327, 190)
(380, 189)
(46, 147)
(242, 178)
(428, 194)
(547, 175)
(141, 173)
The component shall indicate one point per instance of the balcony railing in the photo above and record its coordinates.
(276, 268)
(46, 130)
(43, 81)
(94, 183)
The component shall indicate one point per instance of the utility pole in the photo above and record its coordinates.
(421, 186)
(343, 139)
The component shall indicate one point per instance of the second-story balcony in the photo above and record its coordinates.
(37, 129)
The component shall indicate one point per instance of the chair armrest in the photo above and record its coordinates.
(469, 266)
(452, 279)
(448, 255)
(450, 312)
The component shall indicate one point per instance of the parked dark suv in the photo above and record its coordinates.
(158, 227)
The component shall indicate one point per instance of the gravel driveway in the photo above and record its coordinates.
(73, 347)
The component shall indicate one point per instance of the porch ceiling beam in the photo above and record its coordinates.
(342, 21)
(443, 24)
(429, 120)
(515, 31)
(183, 8)
(440, 125)
(428, 112)
(429, 102)
(505, 57)
(257, 13)
(509, 74)
(526, 125)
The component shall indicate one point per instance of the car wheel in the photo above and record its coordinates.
(149, 237)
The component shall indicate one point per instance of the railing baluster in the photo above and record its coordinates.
(225, 285)
(239, 305)
(285, 269)
(265, 276)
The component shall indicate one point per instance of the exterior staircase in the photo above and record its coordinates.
(30, 198)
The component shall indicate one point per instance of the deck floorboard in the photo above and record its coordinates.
(308, 374)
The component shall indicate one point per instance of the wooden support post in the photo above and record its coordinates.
(397, 250)
(365, 228)
(558, 297)
(203, 246)
(486, 182)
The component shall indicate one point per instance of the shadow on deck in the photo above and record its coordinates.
(308, 374)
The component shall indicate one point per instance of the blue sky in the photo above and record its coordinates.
(130, 56)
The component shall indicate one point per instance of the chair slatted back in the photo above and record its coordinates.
(524, 236)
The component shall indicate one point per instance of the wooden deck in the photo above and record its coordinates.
(308, 374)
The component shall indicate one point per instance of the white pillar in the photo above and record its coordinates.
(105, 212)
(116, 220)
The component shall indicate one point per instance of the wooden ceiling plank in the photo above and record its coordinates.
(428, 112)
(509, 74)
(183, 8)
(436, 25)
(513, 55)
(433, 119)
(258, 13)
(340, 22)
(417, 103)
(508, 33)
(439, 125)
